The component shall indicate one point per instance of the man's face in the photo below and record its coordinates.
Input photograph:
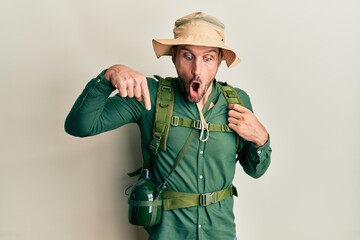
(196, 67)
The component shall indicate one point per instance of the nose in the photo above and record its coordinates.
(197, 67)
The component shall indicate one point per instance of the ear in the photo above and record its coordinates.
(220, 61)
(173, 54)
(221, 56)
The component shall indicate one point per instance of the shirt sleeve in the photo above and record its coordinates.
(95, 111)
(255, 160)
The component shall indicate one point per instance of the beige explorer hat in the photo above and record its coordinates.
(197, 29)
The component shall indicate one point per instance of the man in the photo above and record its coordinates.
(208, 165)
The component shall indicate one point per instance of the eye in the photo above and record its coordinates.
(208, 59)
(188, 56)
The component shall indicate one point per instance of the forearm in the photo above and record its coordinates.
(84, 118)
(255, 160)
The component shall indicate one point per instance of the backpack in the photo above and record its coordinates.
(164, 118)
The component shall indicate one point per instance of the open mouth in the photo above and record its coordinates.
(195, 86)
(195, 91)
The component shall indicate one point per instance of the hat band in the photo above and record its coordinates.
(212, 21)
(201, 32)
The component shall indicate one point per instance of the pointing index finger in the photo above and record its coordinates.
(145, 94)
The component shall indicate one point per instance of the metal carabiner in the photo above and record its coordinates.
(202, 134)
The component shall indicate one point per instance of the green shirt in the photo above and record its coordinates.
(206, 167)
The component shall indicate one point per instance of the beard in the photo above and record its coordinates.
(194, 89)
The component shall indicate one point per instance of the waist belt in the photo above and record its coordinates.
(174, 200)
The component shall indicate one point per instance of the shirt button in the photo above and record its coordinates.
(201, 152)
(201, 177)
(98, 80)
(259, 152)
(199, 225)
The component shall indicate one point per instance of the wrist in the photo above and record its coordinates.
(261, 141)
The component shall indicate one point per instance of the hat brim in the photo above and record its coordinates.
(162, 47)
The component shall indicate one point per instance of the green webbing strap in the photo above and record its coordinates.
(154, 204)
(138, 203)
(164, 108)
(213, 127)
(179, 157)
(230, 94)
(174, 200)
(232, 98)
(155, 213)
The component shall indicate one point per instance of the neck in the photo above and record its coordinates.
(205, 98)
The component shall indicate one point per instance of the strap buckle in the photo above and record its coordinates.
(155, 143)
(207, 199)
(166, 88)
(175, 120)
(197, 124)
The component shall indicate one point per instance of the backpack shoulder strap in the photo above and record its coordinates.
(230, 94)
(232, 97)
(163, 111)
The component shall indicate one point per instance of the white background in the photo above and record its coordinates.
(300, 66)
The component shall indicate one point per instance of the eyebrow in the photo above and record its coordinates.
(186, 49)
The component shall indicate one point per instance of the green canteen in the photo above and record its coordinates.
(144, 203)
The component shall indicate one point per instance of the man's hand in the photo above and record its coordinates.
(246, 125)
(129, 83)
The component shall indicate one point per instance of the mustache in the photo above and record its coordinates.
(195, 78)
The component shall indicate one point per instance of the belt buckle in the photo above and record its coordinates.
(206, 199)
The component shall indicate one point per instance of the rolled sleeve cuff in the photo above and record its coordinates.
(262, 152)
(102, 84)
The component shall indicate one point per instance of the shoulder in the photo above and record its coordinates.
(244, 97)
(242, 94)
(152, 84)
